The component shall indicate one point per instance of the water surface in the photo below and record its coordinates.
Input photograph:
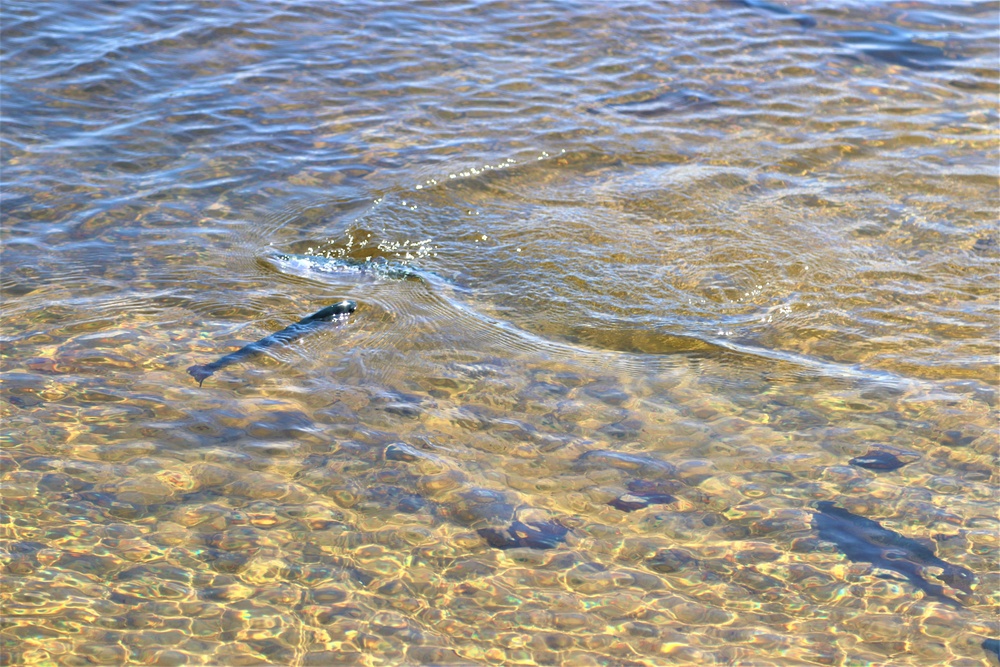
(707, 251)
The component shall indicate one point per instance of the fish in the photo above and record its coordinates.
(883, 42)
(878, 459)
(400, 451)
(992, 647)
(803, 20)
(896, 47)
(665, 103)
(641, 494)
(986, 244)
(865, 541)
(290, 333)
(533, 534)
(606, 458)
(631, 502)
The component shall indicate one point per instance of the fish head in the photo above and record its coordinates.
(339, 309)
(958, 578)
(200, 373)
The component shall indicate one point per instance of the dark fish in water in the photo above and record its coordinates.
(992, 647)
(883, 42)
(896, 47)
(534, 535)
(669, 102)
(631, 502)
(986, 244)
(642, 494)
(878, 459)
(802, 19)
(605, 458)
(865, 541)
(400, 451)
(287, 335)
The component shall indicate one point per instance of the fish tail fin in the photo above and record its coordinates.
(199, 373)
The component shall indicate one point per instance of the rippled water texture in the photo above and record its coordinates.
(675, 340)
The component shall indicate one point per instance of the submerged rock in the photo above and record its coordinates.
(606, 392)
(481, 506)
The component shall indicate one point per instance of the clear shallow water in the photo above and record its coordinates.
(742, 245)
